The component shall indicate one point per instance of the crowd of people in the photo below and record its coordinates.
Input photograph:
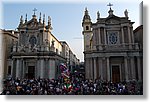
(76, 85)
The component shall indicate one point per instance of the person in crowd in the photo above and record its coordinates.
(76, 85)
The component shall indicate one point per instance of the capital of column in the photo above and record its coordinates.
(127, 57)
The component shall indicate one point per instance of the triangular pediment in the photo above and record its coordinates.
(112, 20)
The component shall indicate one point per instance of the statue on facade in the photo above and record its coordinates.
(53, 42)
(126, 13)
(98, 15)
(52, 45)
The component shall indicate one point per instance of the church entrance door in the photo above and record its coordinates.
(115, 73)
(31, 72)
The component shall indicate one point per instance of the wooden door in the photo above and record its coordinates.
(31, 72)
(115, 73)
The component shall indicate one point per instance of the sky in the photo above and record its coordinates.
(67, 16)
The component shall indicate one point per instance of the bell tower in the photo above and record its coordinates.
(87, 30)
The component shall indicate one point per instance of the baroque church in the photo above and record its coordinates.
(110, 50)
(37, 53)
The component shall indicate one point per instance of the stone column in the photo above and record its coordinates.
(38, 68)
(23, 69)
(91, 69)
(94, 39)
(100, 40)
(122, 35)
(126, 68)
(46, 68)
(129, 35)
(94, 32)
(139, 68)
(105, 36)
(42, 68)
(18, 69)
(99, 36)
(12, 67)
(27, 68)
(133, 68)
(96, 36)
(100, 68)
(86, 73)
(88, 68)
(95, 75)
(49, 69)
(131, 29)
(53, 69)
(108, 69)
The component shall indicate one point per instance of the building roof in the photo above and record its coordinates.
(138, 28)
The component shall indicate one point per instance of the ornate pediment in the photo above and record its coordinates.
(32, 23)
(112, 21)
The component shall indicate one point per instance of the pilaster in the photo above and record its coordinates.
(108, 69)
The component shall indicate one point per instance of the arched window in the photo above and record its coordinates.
(87, 27)
(32, 40)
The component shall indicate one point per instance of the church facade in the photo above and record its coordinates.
(36, 53)
(110, 50)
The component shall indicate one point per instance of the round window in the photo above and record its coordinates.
(113, 38)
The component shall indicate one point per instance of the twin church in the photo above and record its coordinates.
(112, 51)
